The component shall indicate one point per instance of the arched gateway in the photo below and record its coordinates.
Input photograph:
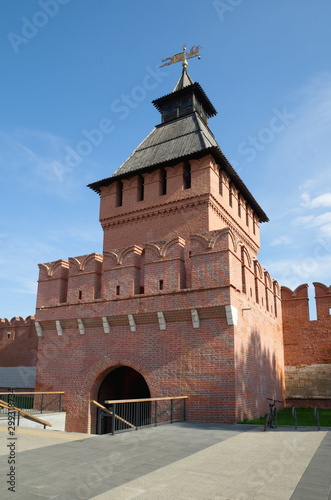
(122, 382)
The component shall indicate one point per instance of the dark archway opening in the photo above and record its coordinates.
(124, 382)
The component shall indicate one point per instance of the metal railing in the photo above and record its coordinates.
(295, 417)
(14, 413)
(35, 402)
(128, 414)
(316, 416)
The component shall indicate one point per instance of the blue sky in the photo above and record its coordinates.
(71, 67)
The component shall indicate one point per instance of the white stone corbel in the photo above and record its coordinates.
(195, 318)
(162, 321)
(231, 315)
(39, 329)
(105, 324)
(132, 323)
(81, 326)
(58, 327)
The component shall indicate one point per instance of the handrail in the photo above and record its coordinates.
(141, 412)
(168, 398)
(24, 414)
(29, 397)
(106, 410)
(29, 393)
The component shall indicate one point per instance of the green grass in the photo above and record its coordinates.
(305, 417)
(19, 401)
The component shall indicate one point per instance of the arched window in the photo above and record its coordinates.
(243, 270)
(275, 297)
(256, 279)
(267, 285)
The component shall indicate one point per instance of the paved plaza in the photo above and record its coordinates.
(170, 462)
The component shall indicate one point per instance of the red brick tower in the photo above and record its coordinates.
(178, 303)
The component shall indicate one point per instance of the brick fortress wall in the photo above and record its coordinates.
(307, 346)
(18, 353)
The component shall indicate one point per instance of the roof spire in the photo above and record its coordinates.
(184, 63)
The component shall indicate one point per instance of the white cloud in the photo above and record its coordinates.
(322, 219)
(322, 222)
(325, 231)
(322, 200)
(281, 240)
(303, 221)
(299, 157)
(298, 169)
(295, 270)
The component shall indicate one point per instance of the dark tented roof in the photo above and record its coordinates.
(179, 140)
(173, 142)
(167, 142)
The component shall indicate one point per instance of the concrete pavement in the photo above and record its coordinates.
(175, 461)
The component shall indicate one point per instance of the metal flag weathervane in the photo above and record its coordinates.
(182, 56)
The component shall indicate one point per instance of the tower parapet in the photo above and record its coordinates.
(206, 261)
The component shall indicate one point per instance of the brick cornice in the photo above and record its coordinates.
(155, 210)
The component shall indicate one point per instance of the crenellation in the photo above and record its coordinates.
(307, 343)
(52, 283)
(121, 275)
(158, 267)
(84, 278)
(323, 301)
(164, 266)
(210, 261)
(18, 348)
(16, 322)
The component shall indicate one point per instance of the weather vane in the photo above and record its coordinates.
(183, 56)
